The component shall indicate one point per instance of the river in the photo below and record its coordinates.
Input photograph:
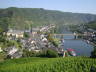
(80, 46)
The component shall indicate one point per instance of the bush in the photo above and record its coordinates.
(42, 54)
(45, 53)
(48, 53)
(26, 35)
(54, 41)
(51, 53)
(27, 53)
(93, 53)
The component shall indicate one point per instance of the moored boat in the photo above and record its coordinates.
(71, 52)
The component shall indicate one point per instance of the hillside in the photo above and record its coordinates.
(21, 18)
(91, 25)
(68, 64)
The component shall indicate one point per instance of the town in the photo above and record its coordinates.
(34, 39)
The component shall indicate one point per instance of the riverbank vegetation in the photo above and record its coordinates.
(93, 53)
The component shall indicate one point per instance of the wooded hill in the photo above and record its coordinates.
(22, 18)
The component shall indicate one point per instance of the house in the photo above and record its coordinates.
(17, 54)
(1, 49)
(29, 44)
(13, 52)
(44, 40)
(42, 36)
(35, 30)
(92, 30)
(37, 50)
(16, 33)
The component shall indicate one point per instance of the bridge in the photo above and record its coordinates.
(71, 34)
(68, 34)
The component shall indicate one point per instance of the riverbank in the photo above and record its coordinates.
(92, 43)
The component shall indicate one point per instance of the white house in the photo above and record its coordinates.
(1, 49)
(44, 40)
(17, 33)
(12, 51)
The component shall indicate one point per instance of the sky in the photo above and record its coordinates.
(75, 6)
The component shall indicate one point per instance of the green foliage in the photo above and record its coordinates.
(27, 53)
(91, 25)
(21, 18)
(54, 41)
(42, 54)
(51, 53)
(67, 64)
(6, 43)
(26, 35)
(4, 22)
(15, 43)
(93, 53)
(2, 38)
(45, 53)
(2, 56)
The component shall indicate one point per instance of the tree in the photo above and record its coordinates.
(47, 53)
(26, 35)
(4, 24)
(27, 53)
(51, 53)
(54, 41)
(93, 53)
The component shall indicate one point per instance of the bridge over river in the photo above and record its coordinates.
(71, 40)
(74, 35)
(69, 34)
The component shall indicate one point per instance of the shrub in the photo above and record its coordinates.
(27, 53)
(26, 35)
(93, 53)
(51, 53)
(54, 41)
(48, 53)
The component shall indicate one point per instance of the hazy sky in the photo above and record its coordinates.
(81, 6)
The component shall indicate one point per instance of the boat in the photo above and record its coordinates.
(71, 52)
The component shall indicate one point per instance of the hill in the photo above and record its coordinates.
(68, 64)
(22, 18)
(91, 25)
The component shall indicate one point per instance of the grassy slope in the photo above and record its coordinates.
(68, 64)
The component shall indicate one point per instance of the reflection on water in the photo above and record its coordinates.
(80, 46)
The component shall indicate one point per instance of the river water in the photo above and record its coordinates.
(80, 46)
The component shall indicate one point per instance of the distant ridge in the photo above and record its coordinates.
(21, 18)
